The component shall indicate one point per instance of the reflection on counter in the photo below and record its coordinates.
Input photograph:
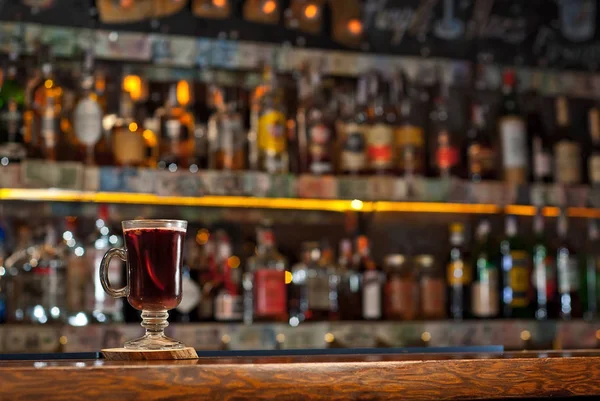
(512, 334)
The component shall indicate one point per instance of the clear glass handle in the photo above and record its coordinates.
(122, 254)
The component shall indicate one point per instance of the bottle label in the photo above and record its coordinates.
(568, 273)
(380, 146)
(544, 278)
(371, 302)
(231, 138)
(401, 298)
(128, 147)
(228, 307)
(568, 170)
(518, 277)
(353, 156)
(270, 292)
(446, 155)
(482, 159)
(410, 145)
(594, 168)
(542, 161)
(88, 122)
(318, 149)
(485, 295)
(514, 146)
(173, 128)
(271, 131)
(190, 295)
(317, 289)
(433, 297)
(459, 273)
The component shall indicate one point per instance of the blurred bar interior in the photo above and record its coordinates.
(354, 173)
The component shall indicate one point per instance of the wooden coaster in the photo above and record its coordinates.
(123, 354)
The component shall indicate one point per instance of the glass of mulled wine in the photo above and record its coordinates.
(153, 253)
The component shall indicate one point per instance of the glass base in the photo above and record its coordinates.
(154, 341)
(154, 322)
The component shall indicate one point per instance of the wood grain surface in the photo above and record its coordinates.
(124, 354)
(391, 377)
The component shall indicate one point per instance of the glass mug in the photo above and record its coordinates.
(153, 253)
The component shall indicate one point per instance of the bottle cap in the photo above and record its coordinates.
(424, 260)
(395, 261)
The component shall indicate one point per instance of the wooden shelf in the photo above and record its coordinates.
(326, 205)
(333, 377)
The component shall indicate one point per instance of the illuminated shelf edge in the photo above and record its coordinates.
(332, 205)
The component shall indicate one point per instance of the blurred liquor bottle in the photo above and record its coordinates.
(513, 133)
(87, 115)
(401, 299)
(593, 159)
(567, 266)
(480, 149)
(541, 144)
(349, 289)
(130, 146)
(567, 151)
(459, 274)
(485, 295)
(264, 282)
(105, 309)
(544, 272)
(445, 157)
(310, 290)
(226, 133)
(45, 110)
(590, 273)
(409, 134)
(177, 129)
(379, 133)
(517, 292)
(314, 125)
(272, 141)
(373, 280)
(229, 305)
(353, 156)
(12, 102)
(187, 310)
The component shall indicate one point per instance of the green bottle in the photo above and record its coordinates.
(543, 274)
(516, 274)
(590, 280)
(12, 99)
(485, 290)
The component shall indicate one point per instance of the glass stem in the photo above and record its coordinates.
(155, 322)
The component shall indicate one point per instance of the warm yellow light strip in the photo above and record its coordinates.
(57, 195)
(332, 205)
(432, 207)
(584, 212)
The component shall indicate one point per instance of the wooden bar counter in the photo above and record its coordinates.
(353, 377)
